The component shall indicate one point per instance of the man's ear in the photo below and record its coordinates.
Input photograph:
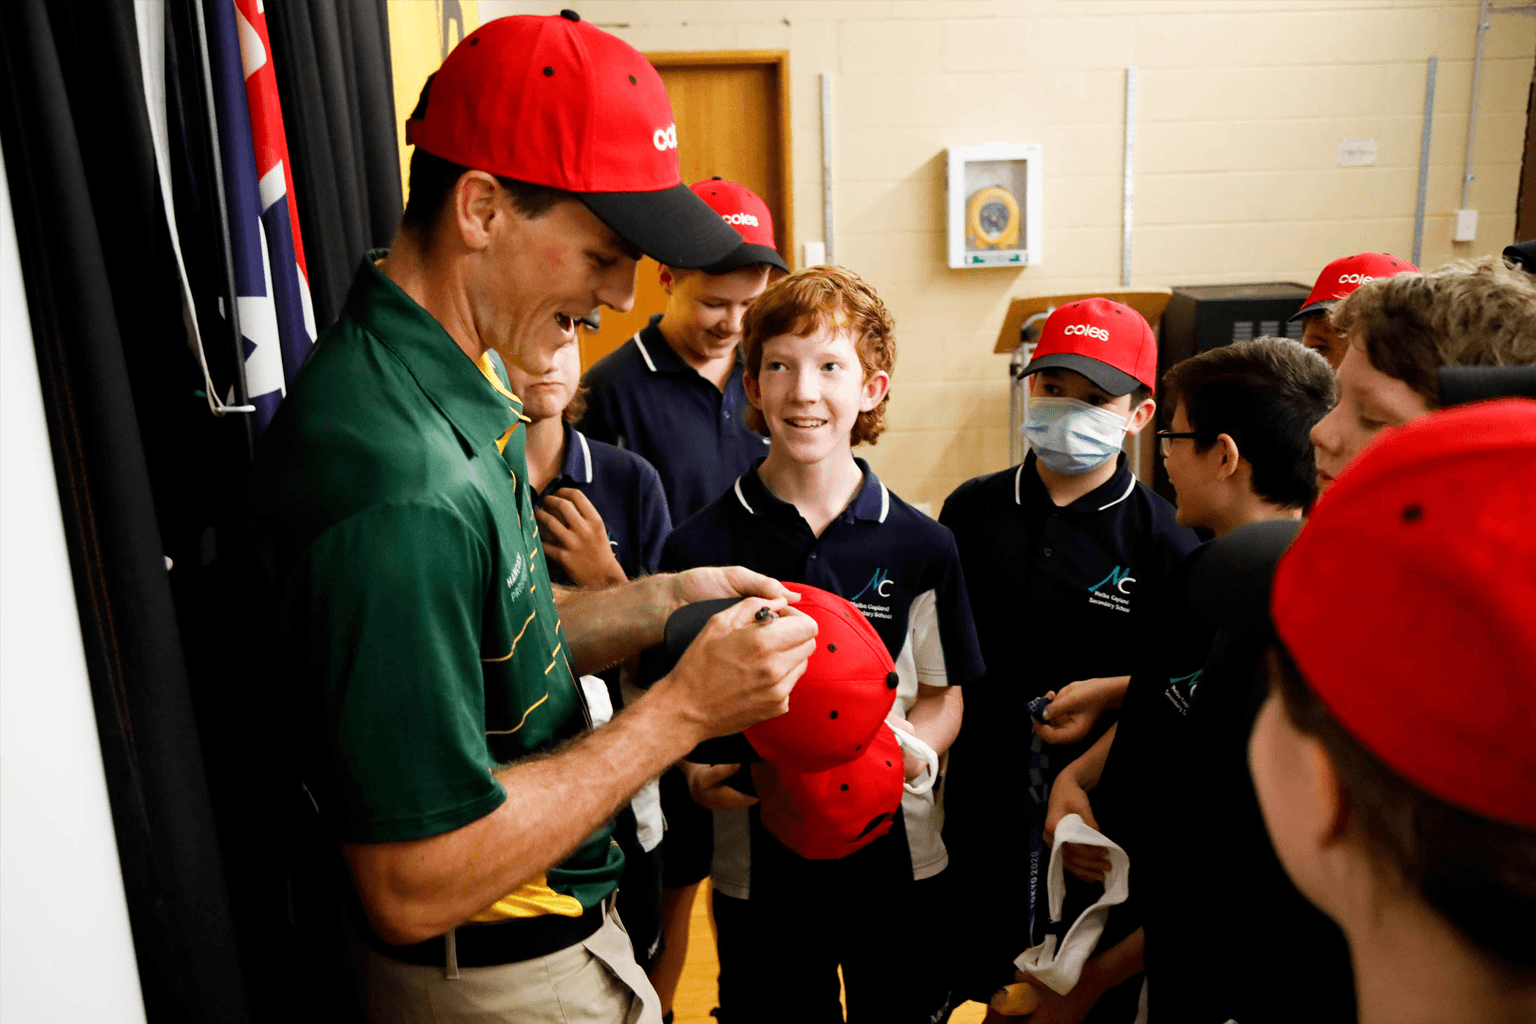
(1141, 416)
(754, 393)
(876, 386)
(1230, 456)
(475, 208)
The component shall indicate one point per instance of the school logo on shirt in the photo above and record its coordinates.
(1114, 590)
(516, 573)
(879, 585)
(1181, 691)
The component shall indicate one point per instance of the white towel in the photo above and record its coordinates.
(1060, 968)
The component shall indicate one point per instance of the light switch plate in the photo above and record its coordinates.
(1466, 226)
(815, 254)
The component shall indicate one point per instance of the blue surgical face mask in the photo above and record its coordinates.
(1071, 436)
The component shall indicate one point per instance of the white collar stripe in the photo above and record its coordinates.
(643, 353)
(586, 454)
(742, 497)
(1017, 478)
(1122, 497)
(885, 501)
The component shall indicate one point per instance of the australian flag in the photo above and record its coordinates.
(271, 283)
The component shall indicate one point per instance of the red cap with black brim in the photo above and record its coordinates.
(1347, 273)
(554, 101)
(743, 210)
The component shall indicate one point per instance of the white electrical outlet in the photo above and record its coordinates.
(1466, 226)
(815, 254)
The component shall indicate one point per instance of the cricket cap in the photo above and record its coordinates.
(1347, 273)
(825, 815)
(745, 211)
(1106, 341)
(555, 101)
(1433, 670)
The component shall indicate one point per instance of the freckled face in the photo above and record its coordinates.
(537, 275)
(810, 390)
(1369, 402)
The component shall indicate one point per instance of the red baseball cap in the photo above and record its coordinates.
(555, 101)
(745, 211)
(841, 701)
(829, 814)
(1347, 273)
(1437, 678)
(1106, 341)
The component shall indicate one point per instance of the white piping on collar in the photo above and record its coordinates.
(885, 501)
(742, 497)
(1018, 476)
(1122, 497)
(586, 453)
(644, 354)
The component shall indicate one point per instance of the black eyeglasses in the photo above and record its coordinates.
(1166, 436)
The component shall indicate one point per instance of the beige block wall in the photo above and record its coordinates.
(1243, 104)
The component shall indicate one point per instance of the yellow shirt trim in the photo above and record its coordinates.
(533, 898)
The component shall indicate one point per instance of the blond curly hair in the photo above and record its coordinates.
(1468, 313)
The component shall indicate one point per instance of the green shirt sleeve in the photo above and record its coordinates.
(395, 597)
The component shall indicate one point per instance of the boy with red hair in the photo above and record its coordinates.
(818, 349)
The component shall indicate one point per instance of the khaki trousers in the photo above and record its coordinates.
(595, 981)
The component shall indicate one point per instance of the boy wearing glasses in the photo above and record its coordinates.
(1067, 559)
(1237, 453)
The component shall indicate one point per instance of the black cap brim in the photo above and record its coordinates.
(673, 226)
(1116, 382)
(1228, 580)
(1316, 307)
(747, 255)
(1522, 255)
(682, 626)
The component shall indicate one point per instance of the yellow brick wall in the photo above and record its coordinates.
(1243, 104)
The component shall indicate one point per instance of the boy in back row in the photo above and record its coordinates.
(818, 350)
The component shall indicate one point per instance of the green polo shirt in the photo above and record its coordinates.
(392, 503)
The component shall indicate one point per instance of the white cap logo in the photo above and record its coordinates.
(1087, 330)
(1355, 278)
(739, 219)
(665, 138)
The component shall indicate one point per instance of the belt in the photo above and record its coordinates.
(498, 942)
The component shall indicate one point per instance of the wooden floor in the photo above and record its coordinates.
(696, 992)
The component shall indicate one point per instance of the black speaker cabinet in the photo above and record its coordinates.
(1204, 317)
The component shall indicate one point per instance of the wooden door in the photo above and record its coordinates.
(732, 110)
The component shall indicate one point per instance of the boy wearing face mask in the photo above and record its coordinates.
(1067, 559)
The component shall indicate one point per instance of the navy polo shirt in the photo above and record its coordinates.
(627, 493)
(644, 398)
(1060, 593)
(902, 570)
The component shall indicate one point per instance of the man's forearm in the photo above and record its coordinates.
(415, 890)
(608, 625)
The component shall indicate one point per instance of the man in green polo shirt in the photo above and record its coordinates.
(444, 734)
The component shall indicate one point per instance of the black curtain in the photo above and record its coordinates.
(337, 90)
(230, 882)
(139, 462)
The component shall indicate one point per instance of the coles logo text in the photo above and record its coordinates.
(665, 138)
(739, 219)
(1355, 278)
(1087, 330)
